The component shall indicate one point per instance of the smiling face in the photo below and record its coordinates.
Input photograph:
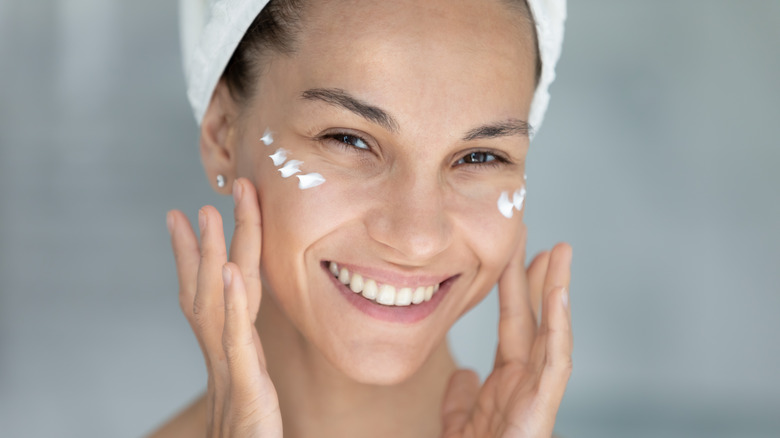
(413, 113)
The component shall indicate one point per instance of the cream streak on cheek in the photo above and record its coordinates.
(310, 180)
(267, 137)
(290, 168)
(506, 206)
(279, 157)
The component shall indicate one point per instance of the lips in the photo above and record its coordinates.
(386, 296)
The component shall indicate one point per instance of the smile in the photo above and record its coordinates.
(385, 294)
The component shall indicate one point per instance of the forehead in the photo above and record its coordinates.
(415, 56)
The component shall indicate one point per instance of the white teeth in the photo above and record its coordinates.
(419, 295)
(370, 290)
(384, 294)
(344, 276)
(356, 284)
(403, 297)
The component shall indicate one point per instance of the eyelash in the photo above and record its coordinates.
(339, 139)
(495, 161)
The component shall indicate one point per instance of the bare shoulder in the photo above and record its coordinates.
(189, 423)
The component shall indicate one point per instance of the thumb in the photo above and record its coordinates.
(458, 401)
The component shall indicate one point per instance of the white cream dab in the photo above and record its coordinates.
(290, 168)
(310, 180)
(267, 137)
(279, 157)
(506, 206)
(518, 198)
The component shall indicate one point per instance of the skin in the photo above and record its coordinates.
(281, 345)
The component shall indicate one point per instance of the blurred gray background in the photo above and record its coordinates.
(658, 162)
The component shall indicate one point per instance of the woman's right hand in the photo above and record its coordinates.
(220, 300)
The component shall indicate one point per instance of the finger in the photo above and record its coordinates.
(555, 340)
(246, 244)
(517, 324)
(558, 276)
(253, 397)
(458, 401)
(536, 273)
(187, 256)
(208, 307)
(237, 339)
(558, 364)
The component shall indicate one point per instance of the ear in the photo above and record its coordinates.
(219, 139)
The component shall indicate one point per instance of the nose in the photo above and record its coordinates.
(411, 221)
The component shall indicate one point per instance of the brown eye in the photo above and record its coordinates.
(349, 140)
(477, 157)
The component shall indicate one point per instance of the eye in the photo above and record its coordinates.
(481, 158)
(347, 140)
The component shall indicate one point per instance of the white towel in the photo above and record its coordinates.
(212, 29)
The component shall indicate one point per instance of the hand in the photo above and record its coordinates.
(220, 300)
(521, 396)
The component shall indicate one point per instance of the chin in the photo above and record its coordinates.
(381, 366)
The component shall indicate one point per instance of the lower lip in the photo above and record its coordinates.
(397, 314)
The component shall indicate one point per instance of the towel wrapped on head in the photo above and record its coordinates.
(212, 29)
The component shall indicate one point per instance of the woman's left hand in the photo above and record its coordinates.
(521, 396)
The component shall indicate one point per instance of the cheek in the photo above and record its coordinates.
(301, 217)
(491, 234)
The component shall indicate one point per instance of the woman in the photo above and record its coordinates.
(376, 154)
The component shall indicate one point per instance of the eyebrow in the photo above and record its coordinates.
(340, 98)
(506, 128)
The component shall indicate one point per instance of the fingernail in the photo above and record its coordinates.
(236, 192)
(227, 276)
(202, 219)
(565, 297)
(169, 222)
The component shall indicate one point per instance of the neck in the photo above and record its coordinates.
(316, 399)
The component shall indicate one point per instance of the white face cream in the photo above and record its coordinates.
(310, 180)
(290, 168)
(507, 206)
(267, 137)
(518, 198)
(279, 157)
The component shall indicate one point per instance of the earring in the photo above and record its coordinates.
(220, 181)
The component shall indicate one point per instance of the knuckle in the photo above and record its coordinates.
(204, 306)
(201, 316)
(198, 310)
(211, 252)
(234, 353)
(562, 365)
(247, 220)
(234, 345)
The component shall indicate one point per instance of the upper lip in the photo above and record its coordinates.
(394, 278)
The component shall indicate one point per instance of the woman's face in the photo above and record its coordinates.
(413, 113)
